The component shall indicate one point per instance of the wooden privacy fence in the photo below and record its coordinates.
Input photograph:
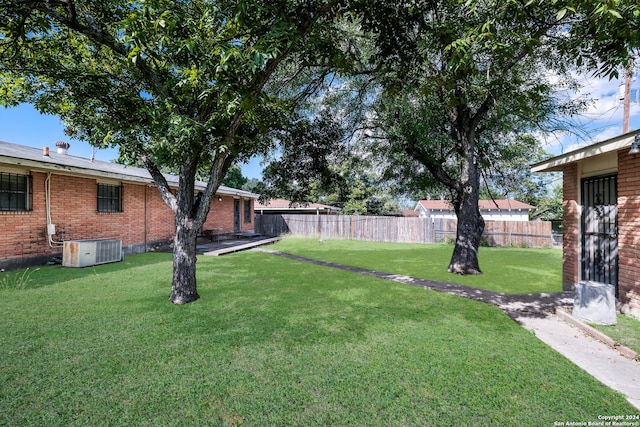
(398, 229)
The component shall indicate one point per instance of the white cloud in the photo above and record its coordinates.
(602, 119)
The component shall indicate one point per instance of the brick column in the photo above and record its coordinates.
(571, 227)
(629, 231)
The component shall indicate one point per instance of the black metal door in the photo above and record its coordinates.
(600, 229)
(236, 215)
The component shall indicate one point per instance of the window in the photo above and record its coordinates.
(247, 211)
(15, 192)
(109, 198)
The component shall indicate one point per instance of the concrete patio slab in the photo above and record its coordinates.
(224, 247)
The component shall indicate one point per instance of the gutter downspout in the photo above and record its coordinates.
(47, 199)
(146, 219)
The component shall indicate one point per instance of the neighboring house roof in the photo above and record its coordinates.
(555, 164)
(33, 158)
(286, 205)
(484, 205)
(410, 213)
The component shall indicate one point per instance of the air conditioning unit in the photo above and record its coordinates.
(84, 253)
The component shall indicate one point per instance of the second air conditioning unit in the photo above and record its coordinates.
(84, 253)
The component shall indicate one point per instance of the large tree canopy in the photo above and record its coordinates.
(463, 82)
(175, 84)
(196, 85)
(453, 92)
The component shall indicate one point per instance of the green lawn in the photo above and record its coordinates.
(506, 270)
(272, 342)
(626, 331)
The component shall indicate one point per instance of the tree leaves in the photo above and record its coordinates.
(308, 152)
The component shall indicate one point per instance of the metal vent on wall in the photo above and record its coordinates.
(84, 253)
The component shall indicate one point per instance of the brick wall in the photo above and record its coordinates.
(24, 233)
(145, 219)
(571, 227)
(159, 218)
(221, 215)
(629, 231)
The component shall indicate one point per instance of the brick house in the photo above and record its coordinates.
(601, 217)
(50, 197)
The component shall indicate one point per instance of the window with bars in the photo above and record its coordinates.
(247, 211)
(15, 192)
(109, 198)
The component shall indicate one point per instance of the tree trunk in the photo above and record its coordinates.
(183, 287)
(470, 223)
(190, 212)
(468, 234)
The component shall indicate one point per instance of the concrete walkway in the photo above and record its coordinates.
(600, 360)
(536, 312)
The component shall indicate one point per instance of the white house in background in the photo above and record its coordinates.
(281, 206)
(491, 210)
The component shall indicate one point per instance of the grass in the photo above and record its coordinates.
(18, 280)
(626, 331)
(506, 270)
(272, 342)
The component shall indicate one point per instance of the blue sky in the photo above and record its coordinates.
(24, 125)
(603, 120)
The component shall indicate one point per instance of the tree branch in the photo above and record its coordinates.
(95, 32)
(434, 167)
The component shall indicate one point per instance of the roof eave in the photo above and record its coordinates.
(41, 166)
(557, 163)
(310, 209)
(228, 191)
(47, 167)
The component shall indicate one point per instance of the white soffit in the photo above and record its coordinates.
(555, 164)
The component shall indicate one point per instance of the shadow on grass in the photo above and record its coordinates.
(290, 303)
(506, 270)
